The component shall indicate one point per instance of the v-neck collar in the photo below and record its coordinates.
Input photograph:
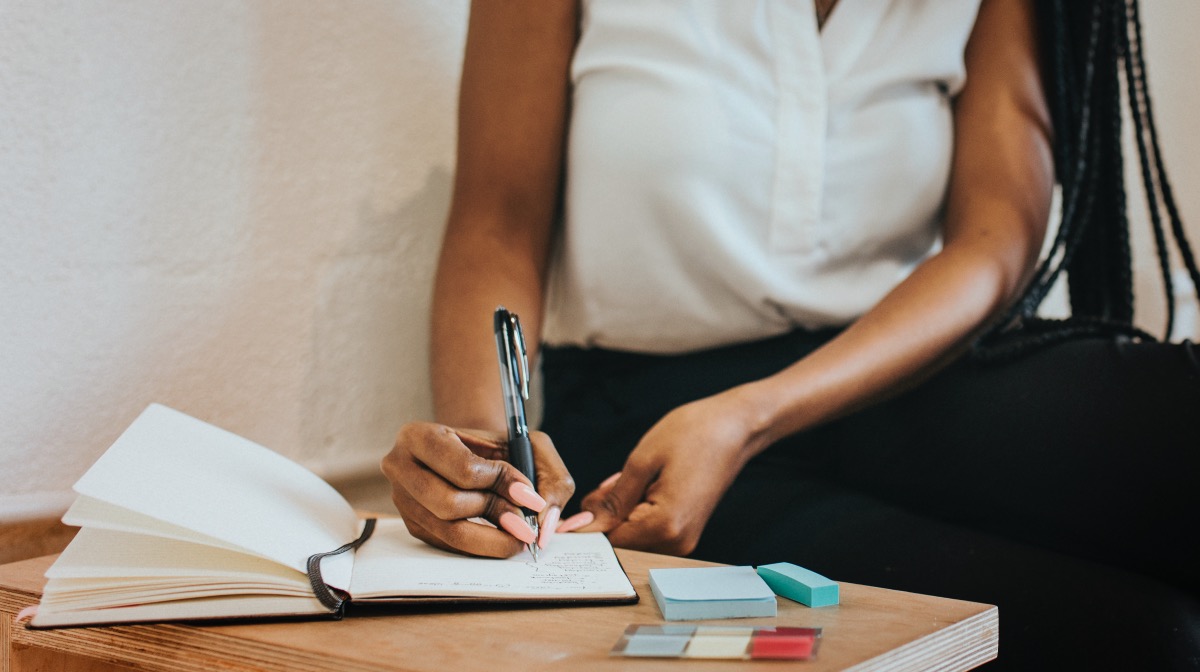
(848, 31)
(822, 20)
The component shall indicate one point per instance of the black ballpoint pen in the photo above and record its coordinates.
(514, 383)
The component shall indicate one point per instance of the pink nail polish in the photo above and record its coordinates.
(516, 526)
(576, 521)
(549, 526)
(526, 496)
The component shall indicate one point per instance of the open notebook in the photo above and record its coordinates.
(182, 520)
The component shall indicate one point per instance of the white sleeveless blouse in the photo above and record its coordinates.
(733, 173)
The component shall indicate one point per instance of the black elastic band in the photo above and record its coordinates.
(320, 589)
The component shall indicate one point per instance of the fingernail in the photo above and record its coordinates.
(576, 521)
(516, 526)
(549, 525)
(609, 481)
(526, 496)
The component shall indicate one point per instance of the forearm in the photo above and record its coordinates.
(512, 122)
(917, 329)
(478, 271)
(923, 324)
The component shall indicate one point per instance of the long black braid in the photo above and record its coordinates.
(1086, 49)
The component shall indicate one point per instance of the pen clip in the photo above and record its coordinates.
(520, 353)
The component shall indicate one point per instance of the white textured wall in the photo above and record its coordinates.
(228, 207)
(232, 208)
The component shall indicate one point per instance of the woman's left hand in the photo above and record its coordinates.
(671, 482)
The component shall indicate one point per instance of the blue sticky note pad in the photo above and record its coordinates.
(800, 584)
(711, 592)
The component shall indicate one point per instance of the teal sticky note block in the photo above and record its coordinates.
(711, 592)
(799, 584)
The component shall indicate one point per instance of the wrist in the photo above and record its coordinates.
(476, 421)
(755, 408)
(472, 408)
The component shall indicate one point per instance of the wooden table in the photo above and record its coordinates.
(872, 629)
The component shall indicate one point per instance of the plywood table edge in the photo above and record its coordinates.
(936, 651)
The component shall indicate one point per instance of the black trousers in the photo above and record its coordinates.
(1063, 487)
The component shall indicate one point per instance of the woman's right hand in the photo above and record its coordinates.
(442, 476)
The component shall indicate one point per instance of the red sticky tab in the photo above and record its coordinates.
(781, 646)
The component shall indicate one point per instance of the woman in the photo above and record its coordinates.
(757, 240)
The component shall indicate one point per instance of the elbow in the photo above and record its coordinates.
(996, 262)
(1000, 284)
(995, 282)
(989, 278)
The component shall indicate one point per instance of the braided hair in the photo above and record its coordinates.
(1087, 48)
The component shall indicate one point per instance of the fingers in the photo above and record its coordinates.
(554, 484)
(452, 459)
(448, 501)
(585, 518)
(643, 510)
(440, 479)
(656, 528)
(460, 535)
(615, 499)
(576, 522)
